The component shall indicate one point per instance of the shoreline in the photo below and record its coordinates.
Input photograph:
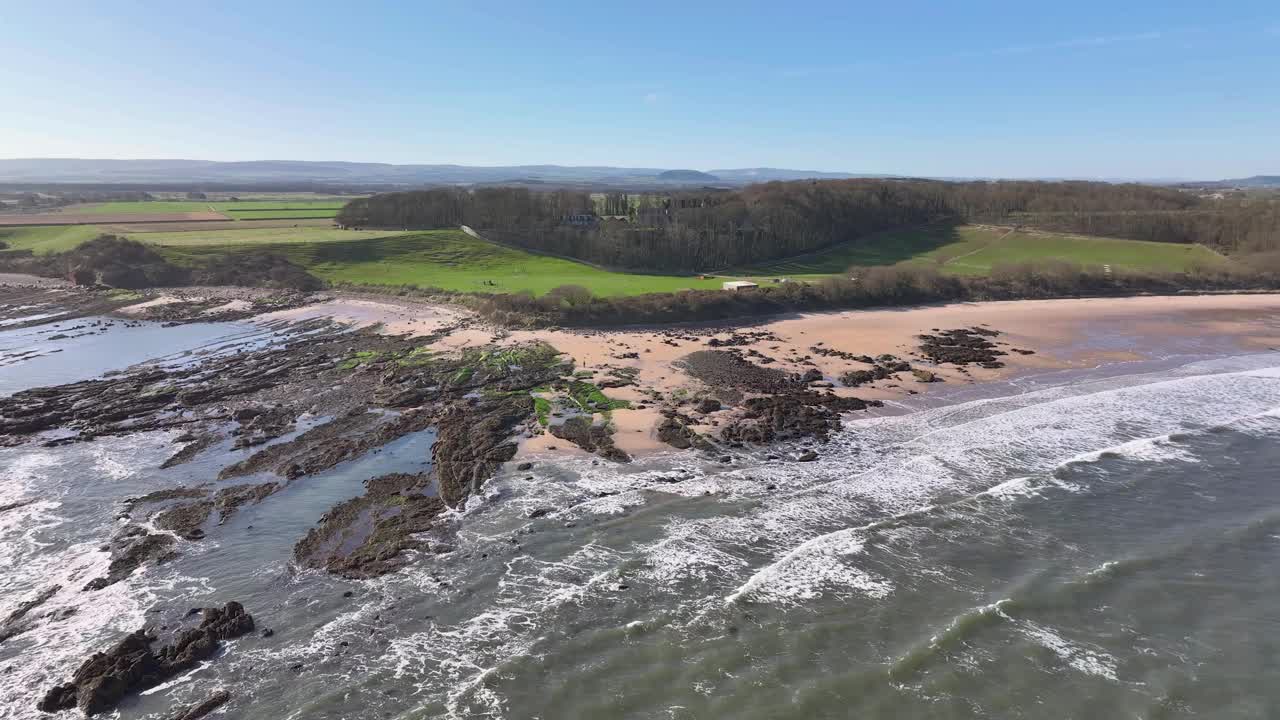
(1062, 334)
(332, 381)
(641, 365)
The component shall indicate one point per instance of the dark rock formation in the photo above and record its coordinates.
(319, 448)
(791, 416)
(368, 535)
(593, 437)
(675, 431)
(472, 442)
(195, 446)
(964, 346)
(102, 681)
(721, 368)
(186, 520)
(707, 405)
(208, 705)
(14, 624)
(925, 376)
(229, 500)
(132, 547)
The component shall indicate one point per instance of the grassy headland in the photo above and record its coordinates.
(444, 259)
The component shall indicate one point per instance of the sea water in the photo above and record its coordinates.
(1098, 544)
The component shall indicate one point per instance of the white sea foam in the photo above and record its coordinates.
(1015, 488)
(1092, 661)
(818, 565)
(807, 538)
(1152, 449)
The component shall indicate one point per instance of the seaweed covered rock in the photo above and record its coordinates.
(674, 430)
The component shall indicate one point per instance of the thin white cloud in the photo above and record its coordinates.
(1080, 42)
(651, 98)
(1096, 41)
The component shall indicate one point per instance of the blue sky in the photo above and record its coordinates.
(1136, 88)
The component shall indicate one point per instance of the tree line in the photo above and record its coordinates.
(709, 230)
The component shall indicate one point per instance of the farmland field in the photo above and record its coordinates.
(975, 250)
(209, 226)
(43, 240)
(256, 214)
(229, 235)
(183, 211)
(180, 206)
(63, 218)
(446, 259)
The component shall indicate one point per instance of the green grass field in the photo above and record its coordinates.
(974, 250)
(447, 259)
(1019, 247)
(452, 260)
(44, 240)
(242, 214)
(243, 239)
(184, 206)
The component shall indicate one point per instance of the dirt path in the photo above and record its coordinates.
(988, 246)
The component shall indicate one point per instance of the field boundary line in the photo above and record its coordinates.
(988, 246)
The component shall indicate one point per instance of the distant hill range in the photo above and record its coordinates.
(61, 170)
(1257, 182)
(687, 176)
(374, 175)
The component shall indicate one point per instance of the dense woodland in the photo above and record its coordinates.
(708, 230)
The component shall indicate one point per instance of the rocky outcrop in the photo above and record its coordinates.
(16, 622)
(228, 500)
(131, 666)
(591, 436)
(785, 407)
(195, 445)
(674, 430)
(317, 449)
(791, 416)
(131, 548)
(726, 369)
(964, 346)
(473, 440)
(369, 535)
(925, 376)
(163, 398)
(186, 520)
(208, 705)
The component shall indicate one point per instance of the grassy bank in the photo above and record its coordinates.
(50, 239)
(445, 259)
(975, 250)
(451, 260)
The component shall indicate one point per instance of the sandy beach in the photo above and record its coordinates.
(1061, 334)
